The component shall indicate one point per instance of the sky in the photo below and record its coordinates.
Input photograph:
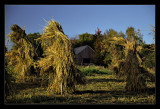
(78, 19)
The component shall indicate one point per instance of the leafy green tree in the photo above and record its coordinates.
(98, 46)
(37, 44)
(121, 34)
(148, 55)
(86, 39)
(132, 34)
(112, 49)
(74, 42)
(112, 33)
(152, 32)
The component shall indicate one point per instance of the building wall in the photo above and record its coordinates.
(86, 53)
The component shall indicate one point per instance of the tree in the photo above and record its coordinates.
(112, 50)
(133, 34)
(130, 32)
(98, 46)
(148, 55)
(86, 39)
(74, 42)
(153, 32)
(121, 34)
(37, 44)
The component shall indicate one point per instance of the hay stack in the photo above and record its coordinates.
(135, 79)
(130, 67)
(58, 60)
(21, 54)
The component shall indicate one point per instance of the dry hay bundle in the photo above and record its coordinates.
(58, 60)
(135, 78)
(147, 74)
(22, 59)
(134, 74)
(130, 68)
(118, 69)
(21, 55)
(9, 86)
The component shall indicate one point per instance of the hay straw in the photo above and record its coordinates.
(130, 66)
(58, 57)
(21, 56)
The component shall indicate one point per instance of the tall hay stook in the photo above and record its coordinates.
(130, 67)
(135, 79)
(58, 53)
(21, 54)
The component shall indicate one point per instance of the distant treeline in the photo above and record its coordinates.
(105, 49)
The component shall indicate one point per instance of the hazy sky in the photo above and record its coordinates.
(78, 19)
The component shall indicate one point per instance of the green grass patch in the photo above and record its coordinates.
(93, 70)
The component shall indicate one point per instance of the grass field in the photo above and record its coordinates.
(102, 88)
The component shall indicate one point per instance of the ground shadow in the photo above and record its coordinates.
(151, 90)
(114, 93)
(38, 99)
(24, 86)
(90, 92)
(74, 99)
(104, 80)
